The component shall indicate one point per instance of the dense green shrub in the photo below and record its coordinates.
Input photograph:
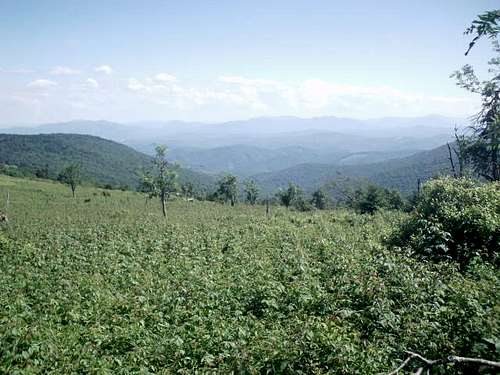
(454, 219)
(320, 199)
(303, 205)
(372, 198)
(290, 195)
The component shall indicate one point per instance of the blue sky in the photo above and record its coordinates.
(221, 60)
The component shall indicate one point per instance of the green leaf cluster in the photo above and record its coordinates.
(455, 219)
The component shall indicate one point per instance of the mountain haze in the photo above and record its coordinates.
(269, 144)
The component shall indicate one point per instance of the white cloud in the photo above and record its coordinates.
(90, 82)
(160, 82)
(263, 94)
(106, 69)
(224, 98)
(64, 71)
(313, 97)
(163, 89)
(316, 97)
(259, 82)
(41, 84)
(165, 78)
(136, 85)
(316, 93)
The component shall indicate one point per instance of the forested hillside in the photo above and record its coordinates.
(108, 162)
(401, 174)
(102, 161)
(269, 144)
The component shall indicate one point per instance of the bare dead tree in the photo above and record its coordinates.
(460, 151)
(428, 364)
(450, 156)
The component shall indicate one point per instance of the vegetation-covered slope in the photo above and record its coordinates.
(109, 286)
(400, 174)
(102, 161)
(269, 144)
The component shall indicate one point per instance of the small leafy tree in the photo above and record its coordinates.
(71, 176)
(161, 181)
(482, 147)
(251, 191)
(187, 190)
(320, 199)
(289, 196)
(371, 200)
(227, 189)
(394, 200)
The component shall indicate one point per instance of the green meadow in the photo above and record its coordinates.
(104, 285)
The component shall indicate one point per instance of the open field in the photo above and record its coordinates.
(108, 286)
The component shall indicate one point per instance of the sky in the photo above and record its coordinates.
(131, 60)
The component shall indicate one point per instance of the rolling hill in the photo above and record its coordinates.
(392, 152)
(269, 144)
(108, 162)
(400, 174)
(103, 161)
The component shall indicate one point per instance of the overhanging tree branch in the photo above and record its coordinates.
(429, 363)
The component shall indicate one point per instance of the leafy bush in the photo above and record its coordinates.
(289, 196)
(302, 205)
(454, 219)
(320, 199)
(373, 198)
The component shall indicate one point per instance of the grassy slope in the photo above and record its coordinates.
(102, 161)
(108, 286)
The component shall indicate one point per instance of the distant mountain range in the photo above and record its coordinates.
(264, 145)
(383, 127)
(392, 152)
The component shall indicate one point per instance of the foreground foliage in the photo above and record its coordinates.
(481, 148)
(106, 287)
(455, 219)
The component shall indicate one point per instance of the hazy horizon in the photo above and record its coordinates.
(249, 119)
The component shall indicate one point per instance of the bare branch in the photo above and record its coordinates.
(451, 161)
(423, 359)
(479, 361)
(402, 366)
(429, 363)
